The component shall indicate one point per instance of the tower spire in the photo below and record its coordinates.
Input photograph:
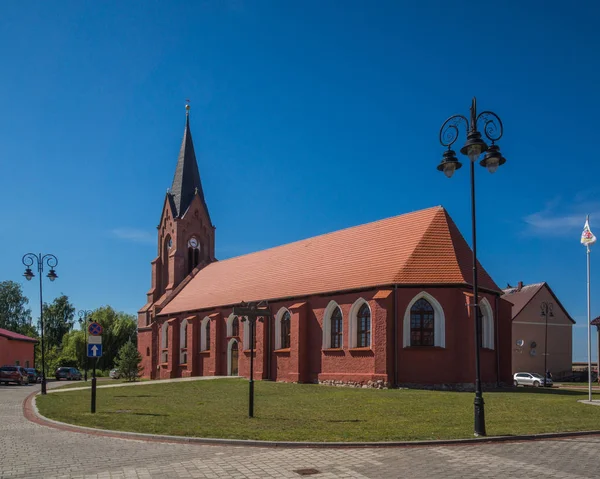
(186, 182)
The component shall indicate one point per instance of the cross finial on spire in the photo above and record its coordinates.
(187, 107)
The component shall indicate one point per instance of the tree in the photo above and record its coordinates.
(128, 361)
(14, 315)
(118, 329)
(59, 317)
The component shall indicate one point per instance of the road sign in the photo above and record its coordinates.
(95, 329)
(94, 350)
(94, 339)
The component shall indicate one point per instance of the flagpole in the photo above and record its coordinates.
(588, 239)
(589, 320)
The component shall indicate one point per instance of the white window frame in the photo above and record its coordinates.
(164, 331)
(487, 324)
(183, 333)
(331, 307)
(203, 345)
(278, 317)
(230, 319)
(439, 321)
(246, 334)
(352, 323)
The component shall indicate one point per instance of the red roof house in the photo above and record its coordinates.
(16, 349)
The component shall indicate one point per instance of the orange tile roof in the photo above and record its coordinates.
(422, 247)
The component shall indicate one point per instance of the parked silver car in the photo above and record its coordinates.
(531, 379)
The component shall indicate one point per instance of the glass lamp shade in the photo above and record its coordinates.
(28, 274)
(449, 169)
(52, 275)
(492, 165)
(474, 152)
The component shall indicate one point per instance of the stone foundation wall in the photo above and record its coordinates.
(380, 384)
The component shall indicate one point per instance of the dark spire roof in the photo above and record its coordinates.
(186, 182)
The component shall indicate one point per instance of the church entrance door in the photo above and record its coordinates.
(233, 358)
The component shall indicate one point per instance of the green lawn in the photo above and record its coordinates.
(293, 412)
(88, 384)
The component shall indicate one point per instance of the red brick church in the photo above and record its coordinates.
(384, 303)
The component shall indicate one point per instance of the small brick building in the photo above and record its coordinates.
(16, 349)
(386, 302)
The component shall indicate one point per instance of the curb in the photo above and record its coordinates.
(31, 413)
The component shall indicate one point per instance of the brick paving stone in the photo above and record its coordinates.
(63, 454)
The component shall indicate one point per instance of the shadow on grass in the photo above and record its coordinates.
(532, 390)
(133, 413)
(344, 420)
(135, 396)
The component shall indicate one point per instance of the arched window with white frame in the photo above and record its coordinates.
(424, 322)
(247, 325)
(359, 324)
(183, 330)
(487, 324)
(283, 320)
(233, 325)
(205, 334)
(164, 342)
(332, 326)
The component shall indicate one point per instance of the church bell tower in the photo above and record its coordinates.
(186, 235)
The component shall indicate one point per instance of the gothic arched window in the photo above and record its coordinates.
(422, 324)
(363, 327)
(336, 328)
(235, 327)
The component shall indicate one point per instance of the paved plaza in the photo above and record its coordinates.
(29, 450)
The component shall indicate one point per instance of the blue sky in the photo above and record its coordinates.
(307, 117)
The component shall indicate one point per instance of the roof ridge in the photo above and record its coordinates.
(389, 218)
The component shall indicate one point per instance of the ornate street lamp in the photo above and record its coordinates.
(51, 261)
(84, 319)
(473, 148)
(545, 312)
(251, 312)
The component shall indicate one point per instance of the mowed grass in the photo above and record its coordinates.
(88, 384)
(302, 412)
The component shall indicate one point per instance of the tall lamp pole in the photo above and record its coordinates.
(84, 319)
(40, 260)
(546, 311)
(473, 148)
(250, 312)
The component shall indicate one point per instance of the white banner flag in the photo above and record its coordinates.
(587, 237)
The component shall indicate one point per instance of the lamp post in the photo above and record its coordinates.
(251, 312)
(546, 311)
(51, 261)
(84, 318)
(473, 148)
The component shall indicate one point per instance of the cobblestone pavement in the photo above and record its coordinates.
(29, 450)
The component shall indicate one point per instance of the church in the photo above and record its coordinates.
(383, 304)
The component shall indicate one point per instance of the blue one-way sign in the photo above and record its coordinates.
(94, 350)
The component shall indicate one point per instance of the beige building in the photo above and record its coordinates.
(529, 330)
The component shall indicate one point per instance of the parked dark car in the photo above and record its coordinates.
(70, 374)
(13, 374)
(34, 375)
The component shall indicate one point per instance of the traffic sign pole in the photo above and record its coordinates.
(94, 387)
